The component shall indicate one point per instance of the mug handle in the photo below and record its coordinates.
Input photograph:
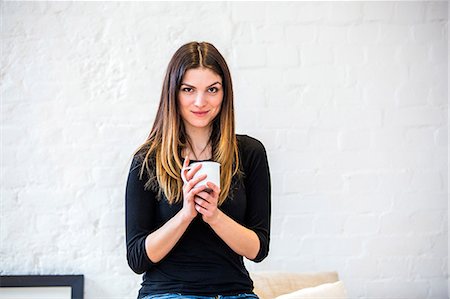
(183, 177)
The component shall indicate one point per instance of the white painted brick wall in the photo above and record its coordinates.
(350, 99)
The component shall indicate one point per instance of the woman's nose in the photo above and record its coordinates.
(200, 99)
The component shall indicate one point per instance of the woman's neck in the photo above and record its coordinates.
(199, 147)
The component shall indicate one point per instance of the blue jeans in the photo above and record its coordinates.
(179, 296)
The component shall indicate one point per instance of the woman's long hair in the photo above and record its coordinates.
(168, 136)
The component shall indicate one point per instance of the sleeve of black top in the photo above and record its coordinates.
(139, 207)
(258, 191)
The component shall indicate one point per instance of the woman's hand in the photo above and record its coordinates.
(189, 189)
(206, 204)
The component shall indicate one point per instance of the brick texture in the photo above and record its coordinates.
(350, 99)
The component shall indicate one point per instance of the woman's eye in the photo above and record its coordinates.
(186, 89)
(213, 89)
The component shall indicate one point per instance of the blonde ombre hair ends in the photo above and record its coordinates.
(168, 137)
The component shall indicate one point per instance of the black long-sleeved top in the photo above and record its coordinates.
(200, 263)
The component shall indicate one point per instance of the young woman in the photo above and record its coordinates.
(188, 241)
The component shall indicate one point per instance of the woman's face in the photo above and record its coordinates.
(200, 98)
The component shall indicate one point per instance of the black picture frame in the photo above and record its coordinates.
(75, 282)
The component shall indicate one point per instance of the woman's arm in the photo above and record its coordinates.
(160, 242)
(139, 210)
(252, 238)
(147, 245)
(242, 240)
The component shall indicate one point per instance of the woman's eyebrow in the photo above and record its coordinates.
(192, 86)
(215, 83)
(182, 83)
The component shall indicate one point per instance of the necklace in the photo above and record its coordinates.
(202, 151)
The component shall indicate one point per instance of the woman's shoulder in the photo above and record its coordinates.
(250, 147)
(252, 153)
(139, 156)
(249, 143)
(143, 166)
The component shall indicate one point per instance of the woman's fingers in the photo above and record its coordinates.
(202, 197)
(213, 187)
(202, 205)
(206, 206)
(200, 201)
(193, 182)
(192, 193)
(205, 195)
(188, 172)
(206, 199)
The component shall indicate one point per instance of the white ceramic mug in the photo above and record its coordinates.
(210, 168)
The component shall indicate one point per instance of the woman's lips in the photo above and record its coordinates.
(200, 113)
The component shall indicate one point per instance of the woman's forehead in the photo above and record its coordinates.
(201, 76)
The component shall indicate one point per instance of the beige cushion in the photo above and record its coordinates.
(333, 290)
(269, 285)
